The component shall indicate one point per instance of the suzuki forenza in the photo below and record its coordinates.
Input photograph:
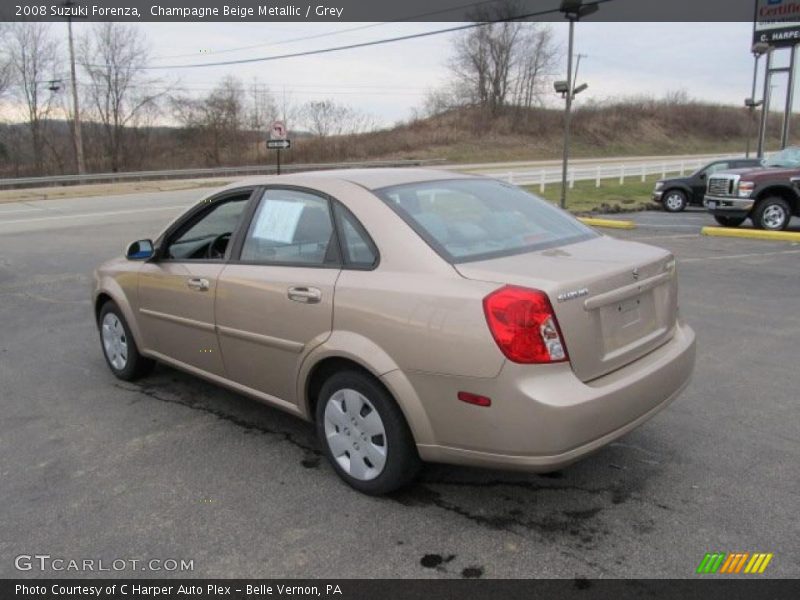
(412, 315)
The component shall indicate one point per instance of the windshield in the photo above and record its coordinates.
(473, 219)
(789, 158)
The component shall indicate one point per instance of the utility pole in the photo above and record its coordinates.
(77, 137)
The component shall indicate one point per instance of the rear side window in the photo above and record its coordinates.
(359, 251)
(474, 219)
(290, 227)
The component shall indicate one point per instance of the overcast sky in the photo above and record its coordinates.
(710, 61)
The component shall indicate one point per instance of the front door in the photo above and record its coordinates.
(177, 290)
(275, 303)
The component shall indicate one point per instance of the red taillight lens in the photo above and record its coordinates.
(524, 325)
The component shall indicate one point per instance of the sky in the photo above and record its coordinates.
(709, 61)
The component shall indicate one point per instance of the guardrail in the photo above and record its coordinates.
(21, 182)
(551, 175)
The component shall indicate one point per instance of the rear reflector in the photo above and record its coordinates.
(474, 399)
(524, 325)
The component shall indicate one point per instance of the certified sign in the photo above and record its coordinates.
(277, 131)
(777, 22)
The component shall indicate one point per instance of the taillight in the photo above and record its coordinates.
(524, 325)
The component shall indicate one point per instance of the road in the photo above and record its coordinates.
(173, 467)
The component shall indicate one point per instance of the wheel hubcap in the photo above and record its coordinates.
(115, 342)
(355, 434)
(674, 201)
(774, 217)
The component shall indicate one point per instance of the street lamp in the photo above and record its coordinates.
(574, 10)
(759, 49)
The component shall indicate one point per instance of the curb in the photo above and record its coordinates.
(753, 234)
(609, 223)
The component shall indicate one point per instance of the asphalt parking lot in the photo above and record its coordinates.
(173, 467)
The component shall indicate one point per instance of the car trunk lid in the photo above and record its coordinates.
(615, 301)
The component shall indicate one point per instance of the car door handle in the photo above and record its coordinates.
(306, 295)
(198, 284)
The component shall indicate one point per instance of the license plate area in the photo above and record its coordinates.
(711, 204)
(627, 321)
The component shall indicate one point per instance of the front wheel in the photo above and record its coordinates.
(729, 221)
(674, 201)
(772, 214)
(364, 434)
(119, 347)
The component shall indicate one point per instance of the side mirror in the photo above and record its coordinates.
(702, 176)
(140, 250)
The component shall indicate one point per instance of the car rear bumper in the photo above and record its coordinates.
(728, 205)
(543, 417)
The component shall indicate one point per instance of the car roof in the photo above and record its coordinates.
(372, 179)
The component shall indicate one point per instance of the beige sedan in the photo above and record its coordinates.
(412, 315)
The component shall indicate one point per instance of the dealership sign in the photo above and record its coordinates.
(777, 22)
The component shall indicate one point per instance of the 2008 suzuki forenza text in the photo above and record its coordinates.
(412, 315)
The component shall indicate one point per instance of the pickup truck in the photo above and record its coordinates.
(676, 193)
(765, 195)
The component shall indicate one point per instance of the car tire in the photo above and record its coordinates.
(119, 348)
(729, 221)
(772, 214)
(674, 201)
(364, 434)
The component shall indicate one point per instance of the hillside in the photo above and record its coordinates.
(644, 127)
(628, 129)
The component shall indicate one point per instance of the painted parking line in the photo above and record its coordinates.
(737, 256)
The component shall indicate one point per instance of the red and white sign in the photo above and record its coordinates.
(277, 131)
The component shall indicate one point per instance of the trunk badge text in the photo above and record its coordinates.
(573, 294)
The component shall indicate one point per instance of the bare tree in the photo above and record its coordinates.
(113, 56)
(325, 118)
(498, 63)
(262, 109)
(537, 58)
(215, 122)
(5, 59)
(33, 59)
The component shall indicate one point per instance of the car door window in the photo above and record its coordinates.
(717, 167)
(359, 251)
(208, 236)
(291, 227)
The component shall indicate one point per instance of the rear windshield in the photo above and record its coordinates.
(475, 219)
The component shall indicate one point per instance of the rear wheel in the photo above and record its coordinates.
(364, 434)
(729, 221)
(674, 201)
(119, 347)
(772, 214)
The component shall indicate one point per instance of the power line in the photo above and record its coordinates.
(332, 33)
(351, 46)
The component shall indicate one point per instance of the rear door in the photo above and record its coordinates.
(177, 289)
(275, 297)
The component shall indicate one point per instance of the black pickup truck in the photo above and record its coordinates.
(679, 192)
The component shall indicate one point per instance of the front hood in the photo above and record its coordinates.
(615, 300)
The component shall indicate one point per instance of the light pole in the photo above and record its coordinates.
(573, 11)
(758, 50)
(762, 132)
(77, 137)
